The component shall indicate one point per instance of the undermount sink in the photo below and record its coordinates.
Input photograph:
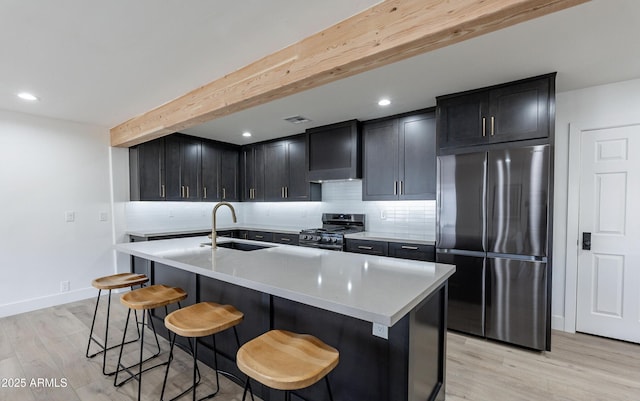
(240, 246)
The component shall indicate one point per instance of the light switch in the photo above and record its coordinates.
(104, 216)
(70, 216)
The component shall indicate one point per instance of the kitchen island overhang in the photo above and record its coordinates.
(349, 298)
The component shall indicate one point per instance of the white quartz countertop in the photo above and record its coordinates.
(160, 232)
(391, 237)
(371, 288)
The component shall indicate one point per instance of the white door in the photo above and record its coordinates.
(608, 292)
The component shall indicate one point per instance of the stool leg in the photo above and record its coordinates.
(93, 322)
(166, 372)
(126, 325)
(247, 386)
(326, 378)
(144, 313)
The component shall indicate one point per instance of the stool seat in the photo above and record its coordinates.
(152, 297)
(203, 319)
(121, 280)
(286, 361)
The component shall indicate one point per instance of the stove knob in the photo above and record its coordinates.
(334, 240)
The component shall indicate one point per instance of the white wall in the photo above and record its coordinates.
(48, 167)
(600, 106)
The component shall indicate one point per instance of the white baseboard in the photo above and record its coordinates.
(47, 301)
(557, 322)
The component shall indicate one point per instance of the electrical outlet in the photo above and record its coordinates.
(380, 330)
(65, 286)
(70, 216)
(103, 216)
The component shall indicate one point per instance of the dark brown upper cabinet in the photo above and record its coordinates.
(335, 152)
(521, 110)
(399, 158)
(146, 171)
(220, 172)
(252, 172)
(182, 167)
(285, 171)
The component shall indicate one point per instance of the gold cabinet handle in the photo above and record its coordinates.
(286, 192)
(484, 127)
(162, 191)
(395, 187)
(401, 189)
(282, 192)
(285, 239)
(367, 248)
(492, 125)
(205, 193)
(411, 248)
(224, 193)
(182, 191)
(259, 236)
(187, 192)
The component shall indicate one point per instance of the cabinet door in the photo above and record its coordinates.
(229, 165)
(172, 168)
(380, 161)
(520, 111)
(210, 168)
(151, 170)
(297, 186)
(417, 157)
(275, 169)
(182, 167)
(191, 168)
(252, 173)
(462, 120)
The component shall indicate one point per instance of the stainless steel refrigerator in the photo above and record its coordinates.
(493, 224)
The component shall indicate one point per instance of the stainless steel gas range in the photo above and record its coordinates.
(334, 228)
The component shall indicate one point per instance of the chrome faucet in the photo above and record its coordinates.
(214, 233)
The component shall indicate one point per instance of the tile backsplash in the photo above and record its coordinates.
(397, 217)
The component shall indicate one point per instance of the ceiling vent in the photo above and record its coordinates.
(297, 119)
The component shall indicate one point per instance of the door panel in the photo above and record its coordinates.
(418, 143)
(461, 203)
(380, 160)
(466, 293)
(608, 300)
(517, 302)
(275, 169)
(517, 199)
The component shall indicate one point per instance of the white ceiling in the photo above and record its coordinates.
(105, 62)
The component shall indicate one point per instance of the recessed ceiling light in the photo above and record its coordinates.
(27, 96)
(246, 134)
(384, 102)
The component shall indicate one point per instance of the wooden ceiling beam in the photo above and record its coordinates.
(388, 32)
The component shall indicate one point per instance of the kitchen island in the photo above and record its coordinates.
(387, 317)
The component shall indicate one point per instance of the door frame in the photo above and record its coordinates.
(573, 221)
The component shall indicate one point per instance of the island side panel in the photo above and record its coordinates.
(427, 347)
(370, 368)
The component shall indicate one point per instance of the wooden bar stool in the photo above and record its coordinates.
(286, 361)
(198, 321)
(113, 282)
(145, 299)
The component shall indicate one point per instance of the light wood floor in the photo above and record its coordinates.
(50, 344)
